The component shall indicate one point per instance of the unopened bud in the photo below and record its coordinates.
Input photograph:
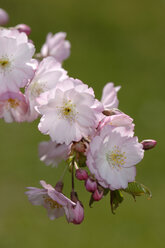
(78, 212)
(79, 146)
(4, 17)
(81, 174)
(75, 214)
(148, 144)
(59, 186)
(97, 195)
(23, 28)
(90, 185)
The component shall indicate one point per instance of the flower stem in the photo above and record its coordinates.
(73, 175)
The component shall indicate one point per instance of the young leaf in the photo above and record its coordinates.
(137, 189)
(116, 198)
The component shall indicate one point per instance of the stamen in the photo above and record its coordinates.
(52, 204)
(13, 103)
(5, 64)
(116, 158)
(36, 88)
(67, 111)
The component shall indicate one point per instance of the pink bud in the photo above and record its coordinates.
(59, 186)
(4, 17)
(81, 174)
(78, 212)
(97, 195)
(75, 214)
(23, 28)
(79, 146)
(148, 144)
(90, 185)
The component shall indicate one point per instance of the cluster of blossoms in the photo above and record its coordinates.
(93, 136)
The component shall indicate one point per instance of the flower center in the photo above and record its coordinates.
(13, 103)
(36, 89)
(4, 64)
(52, 204)
(67, 111)
(116, 158)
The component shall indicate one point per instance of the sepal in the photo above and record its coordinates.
(116, 198)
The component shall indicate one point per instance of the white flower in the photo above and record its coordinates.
(112, 157)
(52, 153)
(109, 96)
(68, 113)
(16, 64)
(120, 120)
(55, 202)
(47, 75)
(56, 46)
(13, 107)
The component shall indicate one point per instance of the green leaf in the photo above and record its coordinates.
(91, 201)
(106, 191)
(137, 189)
(116, 198)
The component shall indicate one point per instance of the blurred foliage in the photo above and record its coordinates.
(119, 41)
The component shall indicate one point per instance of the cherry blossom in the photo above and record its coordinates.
(52, 153)
(55, 202)
(109, 96)
(112, 157)
(47, 75)
(67, 112)
(56, 46)
(13, 107)
(16, 64)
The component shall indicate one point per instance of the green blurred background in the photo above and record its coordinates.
(119, 41)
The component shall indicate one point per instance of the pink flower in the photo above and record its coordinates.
(112, 157)
(55, 202)
(16, 64)
(75, 214)
(52, 153)
(109, 96)
(4, 17)
(13, 107)
(90, 185)
(23, 28)
(47, 75)
(120, 120)
(68, 113)
(56, 46)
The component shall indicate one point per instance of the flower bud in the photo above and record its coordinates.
(4, 17)
(59, 186)
(23, 28)
(75, 214)
(148, 144)
(81, 174)
(78, 213)
(79, 146)
(90, 185)
(97, 195)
